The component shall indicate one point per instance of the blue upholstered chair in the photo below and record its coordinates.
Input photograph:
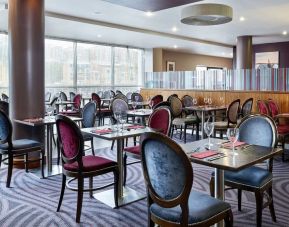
(258, 130)
(14, 148)
(168, 176)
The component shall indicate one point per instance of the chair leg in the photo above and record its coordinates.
(229, 219)
(61, 192)
(197, 132)
(124, 168)
(212, 187)
(112, 145)
(10, 168)
(26, 162)
(42, 162)
(181, 132)
(185, 134)
(0, 159)
(92, 147)
(239, 199)
(116, 179)
(90, 186)
(259, 206)
(79, 198)
(134, 140)
(271, 204)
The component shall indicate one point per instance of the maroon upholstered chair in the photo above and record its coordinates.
(102, 111)
(160, 120)
(78, 166)
(262, 107)
(75, 111)
(156, 100)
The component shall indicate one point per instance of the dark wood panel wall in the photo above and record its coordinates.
(282, 98)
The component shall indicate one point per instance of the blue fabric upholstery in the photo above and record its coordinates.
(201, 208)
(4, 127)
(88, 114)
(257, 131)
(165, 170)
(251, 176)
(20, 144)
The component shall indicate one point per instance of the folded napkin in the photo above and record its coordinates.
(33, 120)
(101, 131)
(230, 145)
(135, 126)
(204, 154)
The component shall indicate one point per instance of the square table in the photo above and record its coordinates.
(247, 155)
(62, 103)
(203, 110)
(126, 195)
(49, 122)
(142, 113)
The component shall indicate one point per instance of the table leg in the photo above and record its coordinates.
(202, 124)
(219, 189)
(126, 195)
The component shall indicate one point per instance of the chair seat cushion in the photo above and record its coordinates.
(185, 121)
(201, 208)
(252, 176)
(283, 129)
(134, 150)
(223, 125)
(90, 163)
(21, 144)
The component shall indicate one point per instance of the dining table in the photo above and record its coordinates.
(48, 122)
(141, 113)
(126, 194)
(243, 156)
(62, 103)
(203, 110)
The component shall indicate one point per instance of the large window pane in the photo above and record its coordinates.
(59, 57)
(93, 65)
(4, 64)
(128, 66)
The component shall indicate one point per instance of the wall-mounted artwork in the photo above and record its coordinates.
(267, 60)
(171, 66)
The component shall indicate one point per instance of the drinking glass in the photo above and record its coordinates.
(209, 128)
(210, 101)
(123, 118)
(195, 101)
(133, 106)
(50, 111)
(222, 101)
(233, 135)
(117, 116)
(205, 100)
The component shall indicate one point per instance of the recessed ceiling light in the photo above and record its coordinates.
(99, 36)
(284, 33)
(149, 13)
(175, 46)
(174, 29)
(97, 13)
(242, 18)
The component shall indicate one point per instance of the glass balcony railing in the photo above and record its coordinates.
(245, 79)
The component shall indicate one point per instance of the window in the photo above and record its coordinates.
(59, 63)
(4, 63)
(93, 65)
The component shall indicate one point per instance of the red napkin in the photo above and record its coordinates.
(101, 131)
(135, 126)
(204, 154)
(230, 145)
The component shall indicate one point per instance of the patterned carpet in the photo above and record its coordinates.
(32, 201)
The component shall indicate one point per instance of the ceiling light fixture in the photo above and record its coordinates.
(242, 18)
(206, 14)
(174, 29)
(149, 13)
(99, 36)
(175, 46)
(284, 33)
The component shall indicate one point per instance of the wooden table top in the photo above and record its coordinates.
(139, 112)
(248, 155)
(47, 120)
(206, 108)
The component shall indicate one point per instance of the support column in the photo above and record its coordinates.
(244, 52)
(26, 64)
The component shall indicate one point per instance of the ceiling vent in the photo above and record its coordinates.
(207, 14)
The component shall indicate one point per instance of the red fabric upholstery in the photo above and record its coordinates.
(156, 100)
(273, 108)
(77, 101)
(95, 97)
(90, 163)
(283, 129)
(134, 150)
(263, 109)
(69, 140)
(159, 120)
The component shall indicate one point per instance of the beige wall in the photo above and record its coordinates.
(188, 62)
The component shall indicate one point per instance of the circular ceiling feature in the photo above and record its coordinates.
(206, 14)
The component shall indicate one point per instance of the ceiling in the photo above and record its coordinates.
(104, 22)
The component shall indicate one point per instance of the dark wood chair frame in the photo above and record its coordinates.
(80, 175)
(182, 199)
(259, 192)
(20, 152)
(243, 106)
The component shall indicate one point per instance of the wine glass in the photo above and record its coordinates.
(50, 111)
(233, 135)
(123, 118)
(117, 116)
(209, 128)
(222, 101)
(133, 104)
(205, 100)
(210, 101)
(195, 101)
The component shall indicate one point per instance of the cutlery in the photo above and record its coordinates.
(216, 157)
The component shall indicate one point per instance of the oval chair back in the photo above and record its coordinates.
(112, 94)
(71, 95)
(187, 101)
(77, 101)
(262, 107)
(176, 106)
(247, 107)
(121, 96)
(232, 111)
(163, 125)
(128, 95)
(100, 94)
(273, 108)
(5, 129)
(173, 95)
(106, 95)
(163, 103)
(119, 105)
(118, 92)
(62, 96)
(70, 140)
(161, 156)
(5, 97)
(259, 130)
(156, 100)
(136, 97)
(95, 97)
(89, 114)
(47, 96)
(4, 106)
